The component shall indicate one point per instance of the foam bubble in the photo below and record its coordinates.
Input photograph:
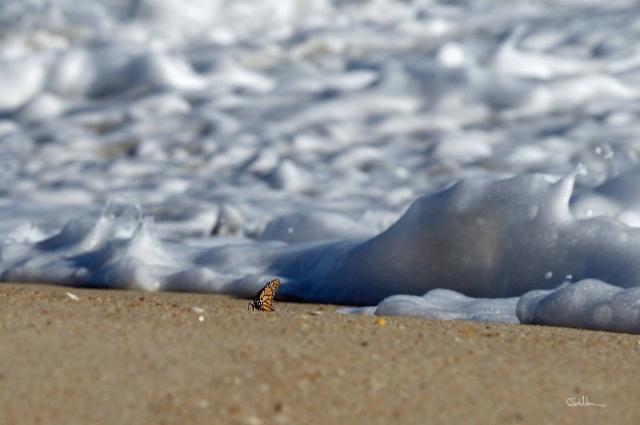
(588, 304)
(443, 304)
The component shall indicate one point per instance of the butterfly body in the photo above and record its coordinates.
(263, 301)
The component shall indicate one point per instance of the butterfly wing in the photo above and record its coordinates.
(264, 300)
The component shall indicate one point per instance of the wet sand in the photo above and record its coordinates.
(119, 357)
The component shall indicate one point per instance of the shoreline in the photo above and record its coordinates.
(114, 356)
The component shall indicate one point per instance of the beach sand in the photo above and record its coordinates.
(120, 357)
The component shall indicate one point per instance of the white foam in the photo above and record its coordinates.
(443, 304)
(589, 304)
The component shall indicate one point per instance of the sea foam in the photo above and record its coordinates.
(489, 240)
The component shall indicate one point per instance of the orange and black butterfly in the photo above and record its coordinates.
(263, 301)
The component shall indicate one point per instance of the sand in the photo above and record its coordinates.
(119, 357)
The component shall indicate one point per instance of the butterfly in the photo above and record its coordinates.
(263, 301)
